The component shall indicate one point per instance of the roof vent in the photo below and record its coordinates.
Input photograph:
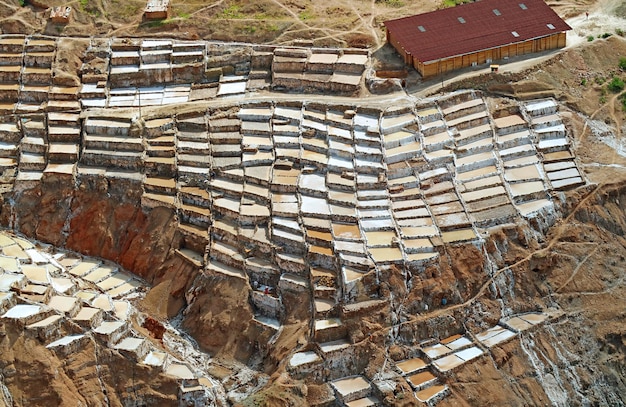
(523, 6)
(550, 26)
(421, 28)
(461, 20)
(497, 12)
(515, 34)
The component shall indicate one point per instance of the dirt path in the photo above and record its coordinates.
(575, 271)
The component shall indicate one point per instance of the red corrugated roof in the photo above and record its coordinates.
(441, 34)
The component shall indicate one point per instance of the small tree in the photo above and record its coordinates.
(616, 85)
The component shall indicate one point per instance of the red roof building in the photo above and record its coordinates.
(475, 33)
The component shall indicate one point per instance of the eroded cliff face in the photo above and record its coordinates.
(91, 376)
(103, 217)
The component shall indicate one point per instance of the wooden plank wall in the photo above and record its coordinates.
(482, 57)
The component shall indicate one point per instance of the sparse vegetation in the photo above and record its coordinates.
(452, 3)
(392, 3)
(583, 82)
(605, 35)
(599, 80)
(590, 38)
(232, 12)
(619, 32)
(305, 15)
(616, 84)
(622, 63)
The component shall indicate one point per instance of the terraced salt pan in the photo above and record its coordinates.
(482, 194)
(558, 184)
(333, 346)
(270, 322)
(103, 302)
(369, 401)
(518, 324)
(526, 188)
(10, 264)
(448, 362)
(66, 340)
(98, 274)
(86, 314)
(553, 143)
(494, 336)
(51, 320)
(558, 166)
(436, 351)
(15, 251)
(386, 254)
(469, 353)
(463, 105)
(63, 304)
(427, 112)
(431, 392)
(460, 235)
(419, 380)
(179, 371)
(22, 311)
(411, 365)
(528, 208)
(155, 358)
(350, 385)
(458, 343)
(303, 358)
(530, 172)
(509, 121)
(472, 174)
(534, 318)
(390, 123)
(83, 268)
(562, 174)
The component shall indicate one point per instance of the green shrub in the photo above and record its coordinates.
(622, 63)
(616, 84)
(590, 38)
(606, 35)
(619, 32)
(583, 82)
(305, 15)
